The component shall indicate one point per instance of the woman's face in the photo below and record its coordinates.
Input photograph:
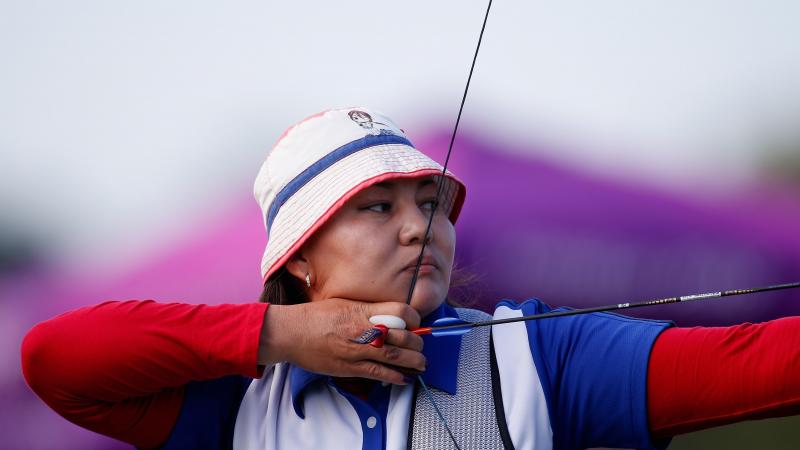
(369, 248)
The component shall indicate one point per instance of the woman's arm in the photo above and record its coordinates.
(704, 377)
(118, 368)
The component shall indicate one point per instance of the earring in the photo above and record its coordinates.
(308, 280)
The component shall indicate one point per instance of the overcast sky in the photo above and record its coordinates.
(119, 120)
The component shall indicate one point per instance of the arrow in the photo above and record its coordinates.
(451, 326)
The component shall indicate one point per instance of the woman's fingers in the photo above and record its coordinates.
(405, 339)
(379, 372)
(390, 364)
(396, 356)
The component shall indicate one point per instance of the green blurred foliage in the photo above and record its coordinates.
(770, 434)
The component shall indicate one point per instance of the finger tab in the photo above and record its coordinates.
(378, 341)
(389, 321)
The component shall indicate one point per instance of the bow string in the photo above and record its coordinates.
(436, 204)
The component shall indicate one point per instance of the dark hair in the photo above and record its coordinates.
(465, 289)
(283, 288)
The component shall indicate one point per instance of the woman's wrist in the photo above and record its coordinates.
(275, 336)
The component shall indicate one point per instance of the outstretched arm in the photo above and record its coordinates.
(709, 376)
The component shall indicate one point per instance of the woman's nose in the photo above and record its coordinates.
(414, 225)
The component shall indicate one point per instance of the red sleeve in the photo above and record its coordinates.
(704, 377)
(118, 368)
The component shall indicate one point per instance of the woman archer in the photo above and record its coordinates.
(346, 207)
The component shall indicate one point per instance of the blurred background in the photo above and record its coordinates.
(613, 151)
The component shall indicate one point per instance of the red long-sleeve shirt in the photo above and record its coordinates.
(119, 368)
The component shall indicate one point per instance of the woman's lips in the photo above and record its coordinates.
(428, 265)
(424, 269)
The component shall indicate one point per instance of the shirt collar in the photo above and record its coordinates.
(441, 354)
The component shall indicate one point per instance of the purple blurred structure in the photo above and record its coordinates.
(532, 228)
(529, 229)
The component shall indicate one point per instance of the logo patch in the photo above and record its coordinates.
(364, 120)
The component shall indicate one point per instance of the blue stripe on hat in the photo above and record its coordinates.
(328, 160)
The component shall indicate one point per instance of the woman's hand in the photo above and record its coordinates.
(318, 336)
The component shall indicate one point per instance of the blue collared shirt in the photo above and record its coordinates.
(567, 383)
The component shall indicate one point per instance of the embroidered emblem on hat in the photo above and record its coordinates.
(364, 120)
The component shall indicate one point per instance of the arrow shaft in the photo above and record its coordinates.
(608, 308)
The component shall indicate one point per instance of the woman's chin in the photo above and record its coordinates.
(426, 304)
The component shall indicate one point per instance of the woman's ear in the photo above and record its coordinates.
(298, 266)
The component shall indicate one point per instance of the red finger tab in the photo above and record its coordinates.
(380, 338)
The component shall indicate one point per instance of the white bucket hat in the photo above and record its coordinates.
(323, 161)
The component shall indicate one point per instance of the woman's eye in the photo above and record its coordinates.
(379, 207)
(429, 205)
